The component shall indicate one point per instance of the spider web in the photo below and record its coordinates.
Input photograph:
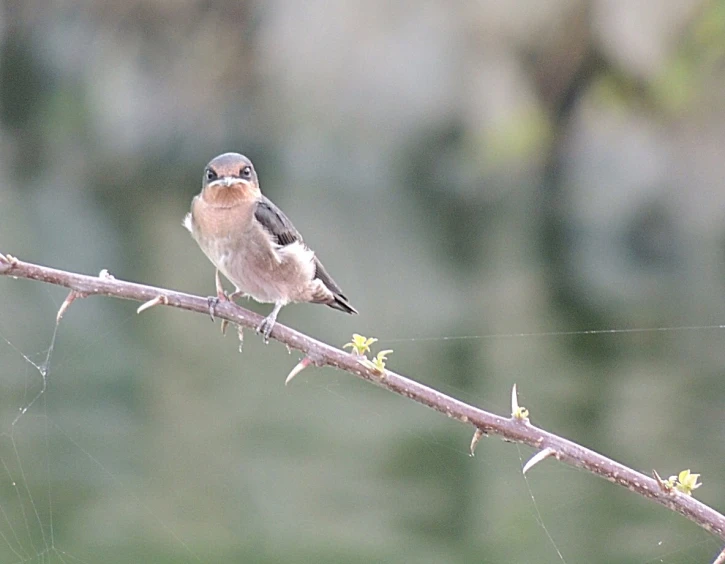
(29, 469)
(36, 448)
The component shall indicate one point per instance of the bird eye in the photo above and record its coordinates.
(210, 174)
(246, 172)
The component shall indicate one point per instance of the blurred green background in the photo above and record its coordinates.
(475, 169)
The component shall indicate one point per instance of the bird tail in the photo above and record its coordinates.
(340, 303)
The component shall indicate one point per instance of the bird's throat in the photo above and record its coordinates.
(225, 196)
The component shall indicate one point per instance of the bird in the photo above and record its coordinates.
(254, 244)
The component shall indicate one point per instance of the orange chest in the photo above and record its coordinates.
(210, 222)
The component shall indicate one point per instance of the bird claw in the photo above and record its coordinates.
(213, 301)
(265, 328)
(221, 296)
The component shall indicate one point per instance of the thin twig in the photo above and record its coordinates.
(513, 428)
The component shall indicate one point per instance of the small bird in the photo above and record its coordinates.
(254, 244)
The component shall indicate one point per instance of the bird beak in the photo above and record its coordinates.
(226, 181)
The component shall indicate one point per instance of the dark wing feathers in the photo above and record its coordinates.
(284, 233)
(276, 222)
(327, 280)
(340, 302)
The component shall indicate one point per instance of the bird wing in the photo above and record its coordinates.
(276, 222)
(284, 233)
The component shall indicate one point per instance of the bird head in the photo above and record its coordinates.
(229, 179)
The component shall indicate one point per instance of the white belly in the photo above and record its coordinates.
(260, 269)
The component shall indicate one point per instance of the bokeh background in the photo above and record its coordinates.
(500, 171)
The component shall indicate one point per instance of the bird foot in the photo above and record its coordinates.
(212, 302)
(221, 296)
(265, 327)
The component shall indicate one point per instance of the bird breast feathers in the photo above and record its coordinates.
(299, 254)
(187, 223)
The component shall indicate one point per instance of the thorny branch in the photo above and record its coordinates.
(515, 428)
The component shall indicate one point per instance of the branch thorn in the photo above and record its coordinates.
(664, 485)
(301, 365)
(538, 457)
(8, 262)
(73, 295)
(517, 412)
(477, 436)
(158, 300)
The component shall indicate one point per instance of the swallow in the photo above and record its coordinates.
(253, 243)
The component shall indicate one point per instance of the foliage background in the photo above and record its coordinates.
(463, 169)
